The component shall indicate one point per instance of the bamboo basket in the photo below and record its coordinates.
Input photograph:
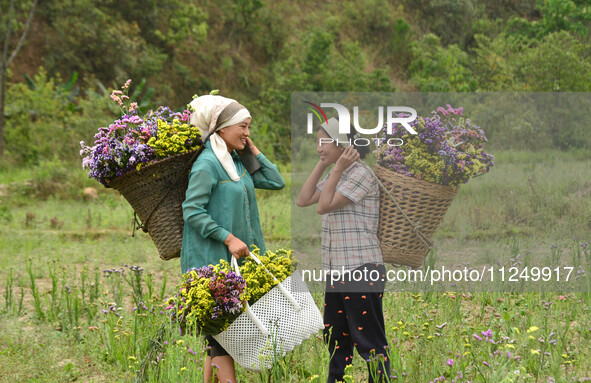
(156, 194)
(410, 213)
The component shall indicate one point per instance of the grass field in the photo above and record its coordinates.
(82, 299)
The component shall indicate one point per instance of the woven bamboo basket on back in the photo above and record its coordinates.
(156, 193)
(406, 240)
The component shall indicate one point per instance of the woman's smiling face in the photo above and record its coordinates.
(328, 151)
(235, 135)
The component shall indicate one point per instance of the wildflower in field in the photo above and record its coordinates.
(532, 329)
(439, 327)
(450, 362)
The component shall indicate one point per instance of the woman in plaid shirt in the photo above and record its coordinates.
(348, 200)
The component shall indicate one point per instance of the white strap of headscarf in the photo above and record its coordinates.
(206, 110)
(332, 128)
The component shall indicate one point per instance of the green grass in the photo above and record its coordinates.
(54, 246)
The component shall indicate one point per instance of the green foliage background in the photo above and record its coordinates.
(260, 51)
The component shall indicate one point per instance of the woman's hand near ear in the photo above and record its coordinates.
(253, 148)
(349, 156)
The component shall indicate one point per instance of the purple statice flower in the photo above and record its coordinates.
(445, 138)
(122, 146)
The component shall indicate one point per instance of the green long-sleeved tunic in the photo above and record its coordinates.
(216, 206)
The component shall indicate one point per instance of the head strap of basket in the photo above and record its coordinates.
(212, 113)
(331, 127)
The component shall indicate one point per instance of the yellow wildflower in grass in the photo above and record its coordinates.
(532, 329)
(509, 346)
(535, 352)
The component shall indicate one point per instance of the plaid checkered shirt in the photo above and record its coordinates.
(349, 234)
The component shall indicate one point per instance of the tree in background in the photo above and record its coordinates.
(11, 22)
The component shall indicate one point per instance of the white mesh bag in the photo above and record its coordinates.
(274, 325)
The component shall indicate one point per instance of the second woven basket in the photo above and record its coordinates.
(156, 193)
(424, 204)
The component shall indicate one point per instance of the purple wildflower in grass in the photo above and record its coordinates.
(488, 333)
(486, 363)
(450, 362)
(477, 337)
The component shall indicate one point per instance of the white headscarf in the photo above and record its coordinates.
(206, 112)
(332, 129)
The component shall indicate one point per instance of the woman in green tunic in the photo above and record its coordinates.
(220, 210)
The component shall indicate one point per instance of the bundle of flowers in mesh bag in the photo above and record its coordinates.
(208, 299)
(211, 297)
